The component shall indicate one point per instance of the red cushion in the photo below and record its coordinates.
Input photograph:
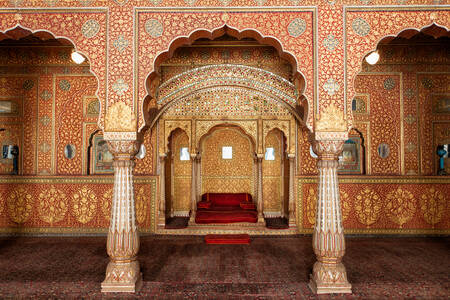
(226, 199)
(205, 217)
(204, 204)
(249, 206)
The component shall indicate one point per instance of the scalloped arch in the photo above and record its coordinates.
(432, 29)
(20, 31)
(152, 78)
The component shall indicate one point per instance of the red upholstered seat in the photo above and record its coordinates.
(226, 208)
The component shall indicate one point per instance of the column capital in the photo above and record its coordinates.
(328, 149)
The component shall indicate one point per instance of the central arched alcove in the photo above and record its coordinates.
(232, 93)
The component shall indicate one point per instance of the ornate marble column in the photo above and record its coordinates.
(162, 190)
(123, 272)
(193, 189)
(292, 218)
(329, 274)
(259, 158)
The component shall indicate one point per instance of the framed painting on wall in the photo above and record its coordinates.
(441, 103)
(350, 160)
(101, 158)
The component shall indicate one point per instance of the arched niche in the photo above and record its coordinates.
(32, 58)
(150, 107)
(275, 174)
(362, 39)
(234, 174)
(178, 174)
(401, 98)
(87, 38)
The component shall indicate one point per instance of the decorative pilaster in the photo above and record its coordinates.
(198, 180)
(193, 189)
(162, 190)
(123, 272)
(292, 218)
(259, 158)
(329, 274)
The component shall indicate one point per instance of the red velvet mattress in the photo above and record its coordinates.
(229, 216)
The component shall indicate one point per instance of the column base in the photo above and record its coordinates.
(161, 221)
(329, 279)
(261, 221)
(122, 277)
(292, 222)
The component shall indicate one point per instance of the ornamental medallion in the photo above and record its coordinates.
(20, 204)
(400, 206)
(52, 205)
(367, 206)
(84, 205)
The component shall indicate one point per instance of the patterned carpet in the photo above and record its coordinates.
(187, 268)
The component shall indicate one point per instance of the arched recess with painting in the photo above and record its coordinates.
(225, 89)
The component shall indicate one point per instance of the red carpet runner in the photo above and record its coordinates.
(227, 239)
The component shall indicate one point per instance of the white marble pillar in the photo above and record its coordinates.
(259, 158)
(292, 218)
(162, 190)
(123, 272)
(329, 274)
(193, 189)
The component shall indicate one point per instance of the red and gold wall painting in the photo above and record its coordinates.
(53, 103)
(383, 204)
(68, 204)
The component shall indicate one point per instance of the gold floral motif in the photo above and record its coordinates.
(331, 119)
(432, 204)
(345, 205)
(20, 204)
(84, 205)
(400, 206)
(106, 204)
(52, 205)
(141, 205)
(120, 118)
(2, 203)
(311, 207)
(367, 206)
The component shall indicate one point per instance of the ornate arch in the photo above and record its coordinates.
(86, 32)
(249, 130)
(294, 47)
(365, 29)
(169, 127)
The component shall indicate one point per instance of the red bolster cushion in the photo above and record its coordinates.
(249, 206)
(204, 204)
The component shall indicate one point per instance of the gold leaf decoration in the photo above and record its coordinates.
(106, 204)
(311, 207)
(84, 205)
(432, 204)
(331, 119)
(400, 206)
(52, 205)
(345, 205)
(20, 204)
(120, 118)
(367, 206)
(141, 206)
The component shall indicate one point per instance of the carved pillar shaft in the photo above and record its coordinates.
(329, 274)
(199, 178)
(292, 219)
(123, 273)
(260, 189)
(193, 189)
(162, 190)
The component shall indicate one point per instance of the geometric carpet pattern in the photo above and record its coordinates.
(184, 267)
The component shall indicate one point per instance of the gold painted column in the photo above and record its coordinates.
(123, 272)
(259, 158)
(292, 218)
(198, 180)
(162, 190)
(329, 274)
(193, 189)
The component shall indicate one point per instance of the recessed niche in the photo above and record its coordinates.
(69, 151)
(184, 153)
(227, 152)
(270, 154)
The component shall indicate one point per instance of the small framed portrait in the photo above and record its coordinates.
(101, 159)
